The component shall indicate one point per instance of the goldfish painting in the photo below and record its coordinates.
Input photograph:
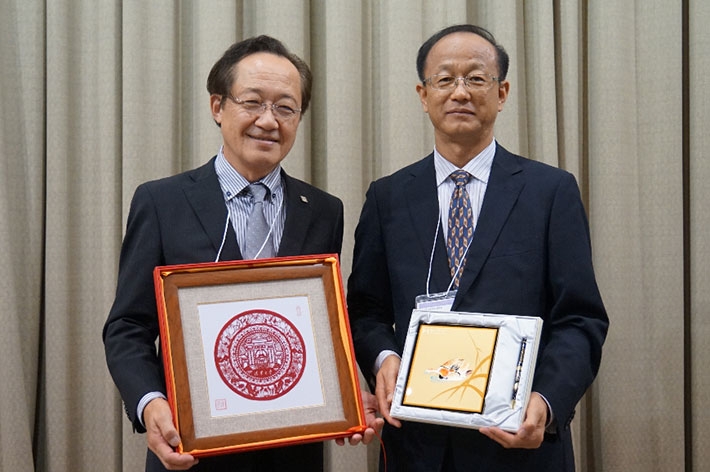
(453, 370)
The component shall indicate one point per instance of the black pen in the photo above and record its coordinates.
(518, 371)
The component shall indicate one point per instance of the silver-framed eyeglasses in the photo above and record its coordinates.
(257, 107)
(475, 82)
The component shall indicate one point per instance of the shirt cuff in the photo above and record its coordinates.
(381, 358)
(551, 425)
(144, 402)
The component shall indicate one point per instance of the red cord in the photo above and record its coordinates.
(384, 452)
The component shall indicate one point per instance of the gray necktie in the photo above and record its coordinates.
(257, 228)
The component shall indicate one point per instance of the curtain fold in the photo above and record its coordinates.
(22, 149)
(82, 185)
(698, 195)
(99, 96)
(636, 208)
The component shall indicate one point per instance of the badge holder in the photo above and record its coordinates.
(442, 301)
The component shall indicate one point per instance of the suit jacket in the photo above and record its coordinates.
(530, 255)
(181, 219)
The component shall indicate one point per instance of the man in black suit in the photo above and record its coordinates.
(519, 245)
(258, 93)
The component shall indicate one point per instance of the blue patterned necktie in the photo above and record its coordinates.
(257, 227)
(460, 224)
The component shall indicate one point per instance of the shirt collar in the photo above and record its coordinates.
(233, 183)
(479, 167)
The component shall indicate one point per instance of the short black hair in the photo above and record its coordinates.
(502, 56)
(221, 77)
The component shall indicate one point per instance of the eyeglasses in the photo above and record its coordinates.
(477, 82)
(257, 108)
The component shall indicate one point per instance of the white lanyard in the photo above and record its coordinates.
(431, 259)
(268, 235)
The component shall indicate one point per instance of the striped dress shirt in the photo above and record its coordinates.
(235, 189)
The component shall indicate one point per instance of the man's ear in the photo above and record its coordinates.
(422, 91)
(216, 108)
(503, 90)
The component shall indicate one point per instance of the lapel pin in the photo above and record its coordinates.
(304, 199)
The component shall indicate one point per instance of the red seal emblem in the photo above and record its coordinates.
(260, 355)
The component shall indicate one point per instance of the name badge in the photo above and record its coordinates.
(442, 301)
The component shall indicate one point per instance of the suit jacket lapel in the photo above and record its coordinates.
(423, 205)
(504, 186)
(205, 197)
(298, 217)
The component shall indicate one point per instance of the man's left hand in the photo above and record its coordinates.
(532, 431)
(374, 424)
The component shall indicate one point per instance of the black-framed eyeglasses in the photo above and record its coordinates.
(257, 107)
(478, 81)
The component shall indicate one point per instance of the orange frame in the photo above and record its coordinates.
(343, 420)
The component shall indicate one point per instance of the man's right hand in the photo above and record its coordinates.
(384, 387)
(163, 437)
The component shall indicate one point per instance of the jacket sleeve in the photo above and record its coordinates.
(131, 330)
(576, 323)
(369, 292)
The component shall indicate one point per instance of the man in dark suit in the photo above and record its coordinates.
(258, 93)
(519, 244)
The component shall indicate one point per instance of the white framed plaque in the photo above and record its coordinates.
(467, 369)
(257, 353)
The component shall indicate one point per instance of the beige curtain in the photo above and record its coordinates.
(98, 96)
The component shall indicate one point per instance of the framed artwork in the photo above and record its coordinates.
(467, 369)
(257, 353)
